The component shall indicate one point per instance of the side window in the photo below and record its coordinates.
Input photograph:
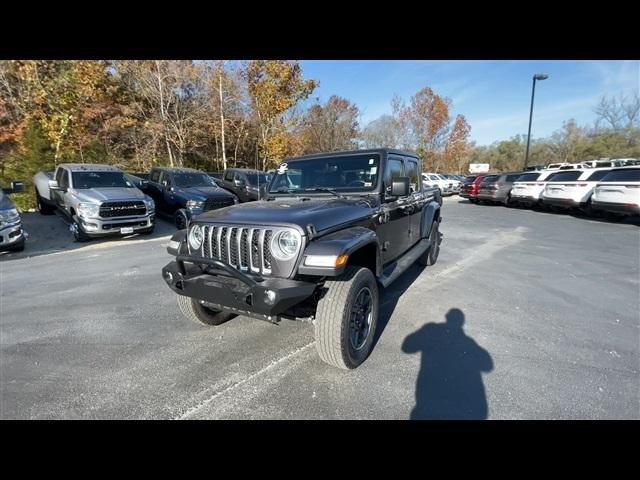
(165, 179)
(394, 170)
(64, 179)
(59, 175)
(155, 176)
(228, 176)
(412, 173)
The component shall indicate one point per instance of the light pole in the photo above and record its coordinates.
(537, 76)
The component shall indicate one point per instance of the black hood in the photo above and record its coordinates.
(207, 192)
(323, 213)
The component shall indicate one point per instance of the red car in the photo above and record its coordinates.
(470, 188)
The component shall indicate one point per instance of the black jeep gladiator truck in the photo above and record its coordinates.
(332, 228)
(183, 193)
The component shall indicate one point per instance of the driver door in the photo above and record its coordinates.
(167, 196)
(394, 231)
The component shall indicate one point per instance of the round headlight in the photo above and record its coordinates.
(195, 237)
(285, 244)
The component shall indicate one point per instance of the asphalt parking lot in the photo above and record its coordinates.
(526, 315)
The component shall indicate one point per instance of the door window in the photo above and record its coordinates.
(412, 173)
(64, 179)
(228, 176)
(394, 170)
(165, 180)
(155, 176)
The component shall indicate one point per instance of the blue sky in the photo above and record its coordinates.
(493, 95)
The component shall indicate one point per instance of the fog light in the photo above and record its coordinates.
(269, 297)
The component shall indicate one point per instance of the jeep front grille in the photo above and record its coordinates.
(122, 209)
(245, 248)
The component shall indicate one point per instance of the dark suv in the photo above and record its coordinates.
(497, 188)
(247, 184)
(184, 192)
(331, 228)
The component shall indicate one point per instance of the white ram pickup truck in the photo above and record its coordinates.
(98, 200)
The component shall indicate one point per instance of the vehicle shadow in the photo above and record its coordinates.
(50, 234)
(389, 298)
(449, 385)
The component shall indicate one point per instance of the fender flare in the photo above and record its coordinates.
(430, 213)
(343, 242)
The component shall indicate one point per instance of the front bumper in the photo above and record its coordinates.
(228, 289)
(626, 208)
(96, 227)
(11, 236)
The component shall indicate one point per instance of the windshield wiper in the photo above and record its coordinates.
(324, 189)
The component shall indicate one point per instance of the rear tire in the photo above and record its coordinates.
(346, 318)
(198, 313)
(43, 208)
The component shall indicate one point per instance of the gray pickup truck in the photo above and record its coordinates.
(98, 200)
(12, 234)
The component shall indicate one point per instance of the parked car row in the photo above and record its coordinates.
(611, 189)
(101, 200)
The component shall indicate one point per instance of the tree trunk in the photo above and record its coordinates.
(224, 154)
(65, 122)
(163, 114)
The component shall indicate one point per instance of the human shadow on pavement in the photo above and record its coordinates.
(449, 385)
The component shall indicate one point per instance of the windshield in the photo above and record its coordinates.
(253, 179)
(83, 180)
(356, 173)
(187, 180)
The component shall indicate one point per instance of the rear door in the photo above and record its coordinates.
(416, 199)
(393, 232)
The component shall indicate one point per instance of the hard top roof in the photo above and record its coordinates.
(382, 151)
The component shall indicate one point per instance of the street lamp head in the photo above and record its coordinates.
(541, 76)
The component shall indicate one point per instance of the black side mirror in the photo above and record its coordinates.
(239, 183)
(16, 187)
(400, 187)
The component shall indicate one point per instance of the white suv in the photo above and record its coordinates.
(528, 187)
(437, 180)
(573, 188)
(618, 191)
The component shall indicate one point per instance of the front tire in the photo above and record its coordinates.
(430, 257)
(78, 233)
(180, 219)
(198, 313)
(346, 318)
